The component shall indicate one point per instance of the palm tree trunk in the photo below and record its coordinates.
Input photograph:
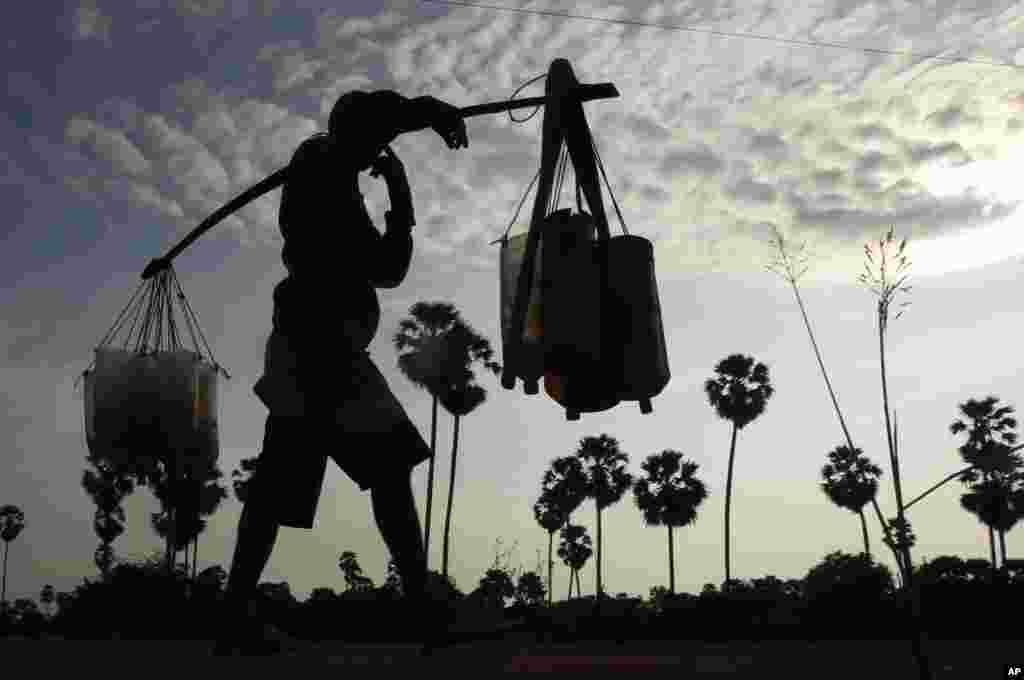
(171, 555)
(671, 563)
(864, 528)
(1002, 546)
(3, 593)
(992, 551)
(728, 505)
(572, 573)
(835, 403)
(598, 550)
(451, 491)
(430, 484)
(551, 565)
(579, 586)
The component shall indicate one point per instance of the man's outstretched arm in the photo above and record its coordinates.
(419, 113)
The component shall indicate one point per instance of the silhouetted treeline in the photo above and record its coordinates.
(843, 597)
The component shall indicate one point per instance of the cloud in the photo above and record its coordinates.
(769, 145)
(702, 160)
(708, 130)
(334, 27)
(90, 23)
(873, 162)
(148, 196)
(111, 145)
(947, 154)
(953, 117)
(752, 190)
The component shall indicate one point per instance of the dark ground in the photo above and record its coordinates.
(853, 659)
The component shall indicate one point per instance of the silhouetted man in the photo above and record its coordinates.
(325, 395)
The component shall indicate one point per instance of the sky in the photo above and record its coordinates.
(125, 124)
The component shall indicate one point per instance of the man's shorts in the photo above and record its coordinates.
(370, 437)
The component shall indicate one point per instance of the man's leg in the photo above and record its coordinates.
(394, 509)
(257, 533)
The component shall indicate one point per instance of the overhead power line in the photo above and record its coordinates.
(751, 36)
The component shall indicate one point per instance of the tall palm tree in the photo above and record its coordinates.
(851, 481)
(461, 346)
(983, 501)
(738, 394)
(606, 481)
(195, 492)
(792, 265)
(108, 488)
(990, 437)
(1011, 507)
(12, 523)
(460, 402)
(422, 365)
(574, 550)
(563, 489)
(669, 495)
(551, 519)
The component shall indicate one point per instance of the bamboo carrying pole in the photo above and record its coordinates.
(581, 92)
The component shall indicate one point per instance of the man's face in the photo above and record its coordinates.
(356, 151)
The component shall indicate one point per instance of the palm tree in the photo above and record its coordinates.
(551, 519)
(243, 477)
(108, 485)
(792, 265)
(12, 522)
(606, 481)
(349, 565)
(193, 493)
(458, 394)
(459, 402)
(574, 550)
(674, 499)
(422, 365)
(983, 502)
(851, 481)
(996, 462)
(738, 394)
(47, 596)
(1011, 508)
(563, 489)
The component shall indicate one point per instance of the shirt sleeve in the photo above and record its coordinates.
(394, 254)
(399, 114)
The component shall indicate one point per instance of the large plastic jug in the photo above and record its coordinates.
(636, 329)
(579, 372)
(571, 291)
(522, 358)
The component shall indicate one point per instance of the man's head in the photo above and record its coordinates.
(355, 129)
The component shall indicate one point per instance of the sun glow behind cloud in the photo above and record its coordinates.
(998, 180)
